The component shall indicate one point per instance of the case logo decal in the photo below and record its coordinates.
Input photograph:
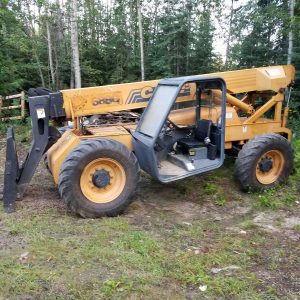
(144, 94)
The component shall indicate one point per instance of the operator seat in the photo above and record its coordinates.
(201, 136)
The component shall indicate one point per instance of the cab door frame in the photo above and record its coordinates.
(153, 119)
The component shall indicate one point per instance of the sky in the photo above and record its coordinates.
(220, 41)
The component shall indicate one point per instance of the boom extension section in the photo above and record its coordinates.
(129, 96)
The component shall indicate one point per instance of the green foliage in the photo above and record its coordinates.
(248, 225)
(264, 43)
(272, 198)
(15, 52)
(296, 144)
(260, 38)
(220, 200)
(179, 39)
(210, 188)
(267, 199)
(112, 286)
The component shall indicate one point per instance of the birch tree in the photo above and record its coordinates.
(74, 44)
(50, 52)
(141, 37)
(290, 47)
(229, 35)
(32, 34)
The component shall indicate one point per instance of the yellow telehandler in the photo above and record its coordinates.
(186, 127)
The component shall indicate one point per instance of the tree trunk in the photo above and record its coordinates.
(229, 35)
(140, 20)
(187, 62)
(51, 65)
(132, 29)
(39, 67)
(31, 29)
(290, 48)
(74, 45)
(58, 42)
(72, 85)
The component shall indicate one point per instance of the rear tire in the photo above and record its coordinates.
(264, 162)
(109, 162)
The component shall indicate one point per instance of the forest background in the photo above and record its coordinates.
(62, 44)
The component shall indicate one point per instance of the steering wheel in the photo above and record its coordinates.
(166, 130)
(171, 124)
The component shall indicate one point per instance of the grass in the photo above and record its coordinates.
(163, 249)
(248, 225)
(220, 200)
(22, 130)
(210, 188)
(267, 199)
(297, 227)
(110, 257)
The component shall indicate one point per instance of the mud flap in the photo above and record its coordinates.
(11, 173)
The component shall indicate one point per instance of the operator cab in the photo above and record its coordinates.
(172, 144)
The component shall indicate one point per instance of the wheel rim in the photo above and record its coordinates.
(102, 180)
(269, 167)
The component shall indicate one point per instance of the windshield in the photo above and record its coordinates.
(157, 110)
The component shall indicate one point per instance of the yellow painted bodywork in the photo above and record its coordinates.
(104, 99)
(127, 96)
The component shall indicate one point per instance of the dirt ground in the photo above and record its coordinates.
(199, 238)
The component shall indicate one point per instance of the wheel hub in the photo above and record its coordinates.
(101, 178)
(269, 167)
(266, 164)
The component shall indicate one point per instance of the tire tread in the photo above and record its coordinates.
(249, 154)
(71, 162)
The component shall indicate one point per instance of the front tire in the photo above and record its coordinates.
(98, 178)
(264, 162)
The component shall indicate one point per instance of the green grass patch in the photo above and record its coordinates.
(210, 188)
(109, 258)
(220, 200)
(268, 199)
(248, 225)
(297, 227)
(22, 130)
